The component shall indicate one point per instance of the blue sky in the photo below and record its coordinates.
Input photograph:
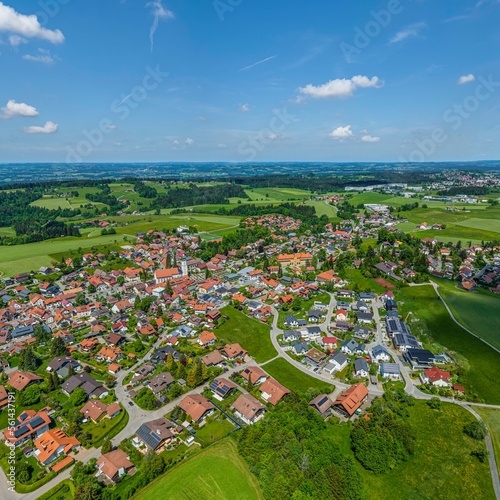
(249, 80)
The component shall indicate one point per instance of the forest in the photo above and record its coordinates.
(194, 195)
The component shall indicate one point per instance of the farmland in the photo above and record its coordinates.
(433, 325)
(475, 311)
(251, 334)
(217, 472)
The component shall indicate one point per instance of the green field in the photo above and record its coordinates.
(217, 472)
(20, 258)
(476, 311)
(480, 362)
(364, 284)
(251, 334)
(491, 417)
(295, 380)
(441, 466)
(276, 194)
(484, 224)
(323, 208)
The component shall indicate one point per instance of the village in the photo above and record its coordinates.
(137, 347)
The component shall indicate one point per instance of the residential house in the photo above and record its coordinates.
(212, 359)
(233, 351)
(329, 343)
(155, 435)
(222, 387)
(379, 353)
(291, 321)
(322, 404)
(360, 368)
(92, 387)
(314, 357)
(254, 374)
(351, 400)
(160, 382)
(419, 358)
(197, 407)
(62, 365)
(337, 363)
(272, 391)
(207, 338)
(30, 424)
(53, 443)
(96, 410)
(113, 466)
(390, 370)
(248, 409)
(291, 335)
(436, 377)
(19, 380)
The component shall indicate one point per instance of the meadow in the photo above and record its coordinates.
(479, 363)
(217, 472)
(475, 310)
(441, 466)
(294, 379)
(252, 335)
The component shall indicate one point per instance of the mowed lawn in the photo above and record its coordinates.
(216, 473)
(478, 312)
(491, 417)
(441, 467)
(295, 380)
(480, 372)
(254, 336)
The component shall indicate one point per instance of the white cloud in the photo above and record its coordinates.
(341, 133)
(159, 12)
(340, 87)
(244, 108)
(190, 141)
(14, 108)
(16, 40)
(466, 79)
(157, 9)
(200, 119)
(370, 138)
(410, 31)
(112, 126)
(43, 56)
(26, 26)
(48, 128)
(222, 145)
